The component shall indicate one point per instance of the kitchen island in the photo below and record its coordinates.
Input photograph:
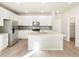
(45, 41)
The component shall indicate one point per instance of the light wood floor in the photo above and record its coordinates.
(17, 50)
(20, 49)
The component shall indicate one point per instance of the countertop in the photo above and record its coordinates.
(42, 32)
(45, 33)
(3, 33)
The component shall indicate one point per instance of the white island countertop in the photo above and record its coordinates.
(38, 33)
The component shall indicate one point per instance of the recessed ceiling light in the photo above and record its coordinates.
(44, 2)
(18, 2)
(57, 11)
(26, 11)
(69, 2)
(42, 11)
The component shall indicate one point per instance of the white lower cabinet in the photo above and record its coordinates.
(3, 41)
(23, 34)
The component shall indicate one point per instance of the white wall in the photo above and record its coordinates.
(65, 27)
(57, 23)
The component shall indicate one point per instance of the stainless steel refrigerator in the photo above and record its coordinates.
(10, 27)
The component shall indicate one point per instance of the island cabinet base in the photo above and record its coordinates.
(45, 42)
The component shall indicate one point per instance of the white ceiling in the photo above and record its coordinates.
(36, 7)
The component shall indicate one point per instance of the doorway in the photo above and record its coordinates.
(72, 30)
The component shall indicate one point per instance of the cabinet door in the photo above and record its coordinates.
(45, 20)
(22, 34)
(5, 40)
(25, 20)
(1, 41)
(1, 22)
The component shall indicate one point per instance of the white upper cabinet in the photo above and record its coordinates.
(6, 14)
(45, 20)
(27, 20)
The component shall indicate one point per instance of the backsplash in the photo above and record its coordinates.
(30, 27)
